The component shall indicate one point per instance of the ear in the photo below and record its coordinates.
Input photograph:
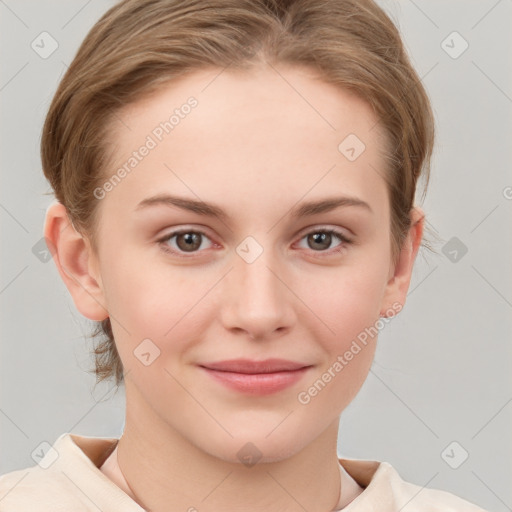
(75, 262)
(400, 276)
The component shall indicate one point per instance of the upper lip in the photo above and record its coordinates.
(250, 366)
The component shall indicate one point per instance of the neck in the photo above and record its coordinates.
(163, 471)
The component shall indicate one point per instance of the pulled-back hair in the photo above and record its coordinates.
(140, 44)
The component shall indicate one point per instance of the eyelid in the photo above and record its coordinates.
(344, 233)
(162, 241)
(344, 238)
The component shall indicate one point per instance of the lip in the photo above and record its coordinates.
(256, 377)
(251, 366)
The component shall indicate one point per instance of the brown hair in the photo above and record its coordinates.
(139, 44)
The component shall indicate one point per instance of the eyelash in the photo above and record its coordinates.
(162, 241)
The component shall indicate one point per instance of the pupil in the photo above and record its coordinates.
(320, 238)
(191, 241)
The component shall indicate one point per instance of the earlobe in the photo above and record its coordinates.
(400, 278)
(72, 255)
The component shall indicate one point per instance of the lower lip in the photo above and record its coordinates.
(257, 383)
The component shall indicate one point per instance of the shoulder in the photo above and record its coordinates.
(386, 491)
(65, 478)
(416, 498)
(24, 489)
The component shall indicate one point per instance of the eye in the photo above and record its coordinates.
(191, 241)
(187, 241)
(321, 239)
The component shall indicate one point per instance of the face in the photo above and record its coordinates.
(250, 272)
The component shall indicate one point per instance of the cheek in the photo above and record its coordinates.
(133, 295)
(165, 305)
(349, 306)
(346, 301)
(336, 384)
(138, 286)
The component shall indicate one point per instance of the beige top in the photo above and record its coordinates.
(69, 478)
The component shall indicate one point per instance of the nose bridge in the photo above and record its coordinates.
(260, 281)
(259, 302)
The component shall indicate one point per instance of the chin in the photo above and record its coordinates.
(254, 446)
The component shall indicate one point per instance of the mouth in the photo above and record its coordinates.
(256, 377)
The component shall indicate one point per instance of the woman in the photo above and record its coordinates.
(235, 184)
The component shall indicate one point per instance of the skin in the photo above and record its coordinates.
(256, 147)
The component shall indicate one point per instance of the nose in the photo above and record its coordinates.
(255, 299)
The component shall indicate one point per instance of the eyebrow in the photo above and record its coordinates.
(208, 209)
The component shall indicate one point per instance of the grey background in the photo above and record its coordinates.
(442, 368)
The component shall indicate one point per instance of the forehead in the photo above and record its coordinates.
(296, 98)
(280, 128)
